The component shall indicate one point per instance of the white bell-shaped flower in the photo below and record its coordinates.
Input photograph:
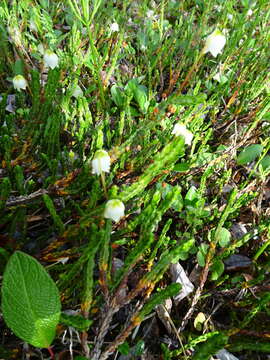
(181, 130)
(19, 82)
(101, 162)
(114, 27)
(114, 210)
(215, 42)
(50, 59)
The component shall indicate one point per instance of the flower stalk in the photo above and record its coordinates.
(100, 164)
(214, 44)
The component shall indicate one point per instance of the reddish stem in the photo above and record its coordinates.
(50, 352)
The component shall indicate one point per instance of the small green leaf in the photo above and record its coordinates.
(249, 154)
(183, 255)
(191, 196)
(139, 348)
(118, 96)
(265, 162)
(223, 237)
(205, 158)
(199, 320)
(181, 167)
(139, 93)
(166, 189)
(124, 348)
(187, 100)
(76, 321)
(140, 96)
(30, 300)
(201, 254)
(201, 258)
(217, 269)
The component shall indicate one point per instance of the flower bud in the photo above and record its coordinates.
(19, 82)
(101, 162)
(114, 210)
(215, 42)
(181, 130)
(50, 59)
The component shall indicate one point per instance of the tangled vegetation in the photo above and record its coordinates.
(134, 179)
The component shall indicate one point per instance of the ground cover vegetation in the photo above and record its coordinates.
(134, 179)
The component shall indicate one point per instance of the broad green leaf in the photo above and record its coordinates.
(30, 300)
(223, 237)
(249, 154)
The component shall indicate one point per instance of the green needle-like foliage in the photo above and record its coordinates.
(158, 299)
(177, 94)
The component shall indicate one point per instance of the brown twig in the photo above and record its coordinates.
(199, 290)
(103, 330)
(24, 199)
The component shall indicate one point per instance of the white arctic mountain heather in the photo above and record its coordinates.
(101, 162)
(114, 210)
(51, 60)
(19, 82)
(215, 42)
(181, 130)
